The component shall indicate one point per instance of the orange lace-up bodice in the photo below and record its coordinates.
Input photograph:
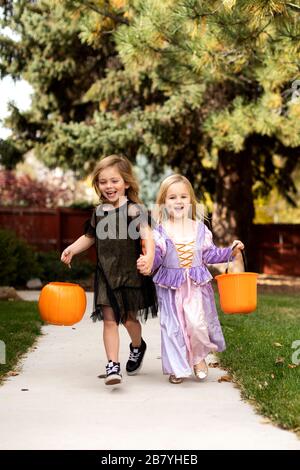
(185, 253)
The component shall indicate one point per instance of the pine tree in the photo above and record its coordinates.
(206, 87)
(236, 61)
(67, 53)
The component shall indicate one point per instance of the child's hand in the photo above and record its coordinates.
(66, 257)
(144, 264)
(239, 246)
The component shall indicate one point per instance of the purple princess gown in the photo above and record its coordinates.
(190, 328)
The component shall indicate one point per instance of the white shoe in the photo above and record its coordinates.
(113, 379)
(175, 380)
(201, 370)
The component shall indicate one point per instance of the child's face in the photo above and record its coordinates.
(111, 185)
(178, 200)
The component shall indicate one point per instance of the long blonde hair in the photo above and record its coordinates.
(126, 171)
(162, 193)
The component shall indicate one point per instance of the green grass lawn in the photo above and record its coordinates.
(259, 357)
(20, 324)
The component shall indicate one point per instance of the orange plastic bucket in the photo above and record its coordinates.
(237, 291)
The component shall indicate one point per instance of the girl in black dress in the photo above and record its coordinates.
(119, 228)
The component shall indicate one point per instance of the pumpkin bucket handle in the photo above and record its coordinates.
(230, 259)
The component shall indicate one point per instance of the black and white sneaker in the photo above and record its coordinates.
(136, 357)
(113, 373)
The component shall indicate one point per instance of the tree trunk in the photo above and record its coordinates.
(233, 211)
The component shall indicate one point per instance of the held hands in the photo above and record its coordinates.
(66, 257)
(144, 264)
(238, 246)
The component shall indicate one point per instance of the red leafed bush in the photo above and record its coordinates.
(24, 191)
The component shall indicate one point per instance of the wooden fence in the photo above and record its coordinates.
(277, 246)
(46, 229)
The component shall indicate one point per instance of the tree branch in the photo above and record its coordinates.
(294, 7)
(104, 12)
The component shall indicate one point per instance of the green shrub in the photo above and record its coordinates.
(52, 269)
(18, 261)
(84, 205)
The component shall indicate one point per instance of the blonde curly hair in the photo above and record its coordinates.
(126, 171)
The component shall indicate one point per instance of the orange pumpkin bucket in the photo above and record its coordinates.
(237, 291)
(62, 303)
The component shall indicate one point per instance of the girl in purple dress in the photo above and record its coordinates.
(190, 328)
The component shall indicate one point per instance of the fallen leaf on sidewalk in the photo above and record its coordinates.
(12, 374)
(225, 378)
(265, 421)
(24, 389)
(214, 364)
(279, 360)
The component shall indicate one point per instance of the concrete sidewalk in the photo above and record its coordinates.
(68, 407)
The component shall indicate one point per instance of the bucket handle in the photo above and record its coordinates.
(244, 259)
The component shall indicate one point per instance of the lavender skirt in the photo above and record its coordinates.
(190, 328)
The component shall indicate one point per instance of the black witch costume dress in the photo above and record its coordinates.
(118, 246)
